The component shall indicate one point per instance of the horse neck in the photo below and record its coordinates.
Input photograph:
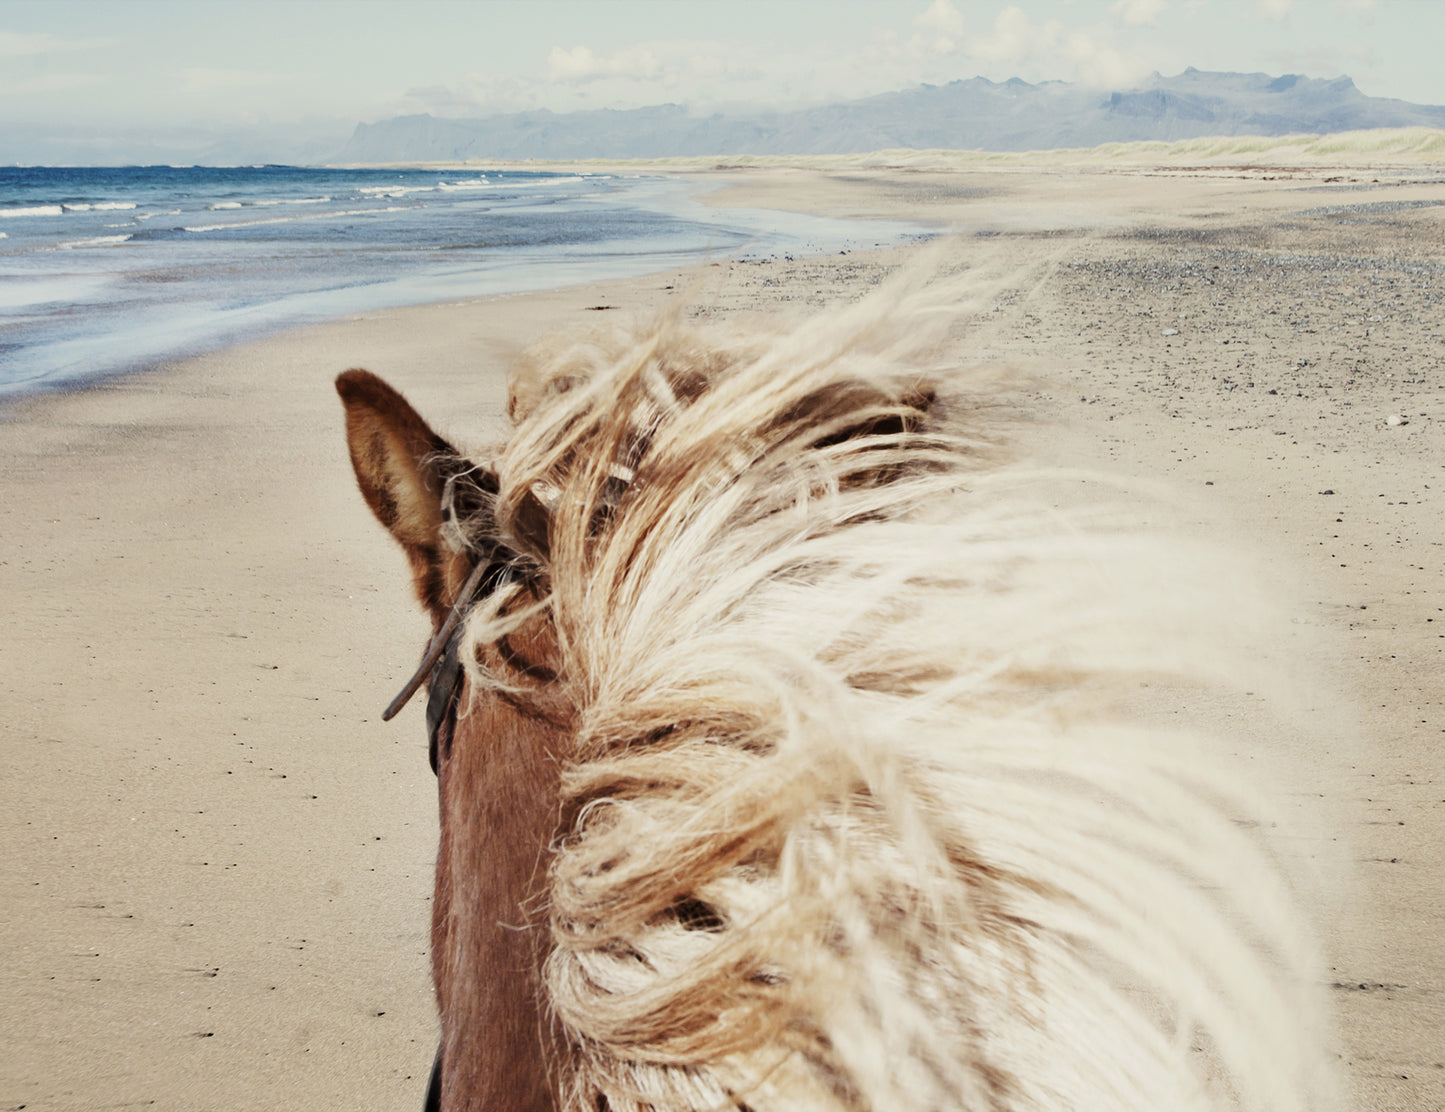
(499, 792)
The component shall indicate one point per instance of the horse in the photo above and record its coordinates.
(784, 751)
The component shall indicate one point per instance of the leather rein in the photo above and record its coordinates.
(442, 665)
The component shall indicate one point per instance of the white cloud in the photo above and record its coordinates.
(941, 16)
(1100, 65)
(579, 64)
(472, 93)
(930, 41)
(1320, 60)
(712, 67)
(57, 83)
(1138, 13)
(1016, 37)
(1273, 9)
(1048, 50)
(940, 26)
(26, 44)
(202, 80)
(703, 74)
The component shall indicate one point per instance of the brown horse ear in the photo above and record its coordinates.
(401, 467)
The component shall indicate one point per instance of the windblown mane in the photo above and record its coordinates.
(853, 818)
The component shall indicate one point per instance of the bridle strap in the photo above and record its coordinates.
(446, 686)
(439, 642)
(442, 664)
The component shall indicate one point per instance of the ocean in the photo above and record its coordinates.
(103, 271)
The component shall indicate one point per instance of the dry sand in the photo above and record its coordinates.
(217, 858)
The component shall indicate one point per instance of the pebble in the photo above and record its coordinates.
(1396, 419)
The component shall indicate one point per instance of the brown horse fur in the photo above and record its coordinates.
(791, 773)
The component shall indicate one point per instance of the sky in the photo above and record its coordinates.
(159, 64)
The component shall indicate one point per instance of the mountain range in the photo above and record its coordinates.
(974, 114)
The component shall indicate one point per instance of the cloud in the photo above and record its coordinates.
(443, 99)
(57, 83)
(942, 17)
(1357, 5)
(1276, 10)
(703, 73)
(26, 44)
(1359, 59)
(1016, 37)
(1100, 65)
(579, 65)
(1138, 13)
(931, 41)
(1050, 49)
(713, 67)
(940, 27)
(201, 80)
(474, 93)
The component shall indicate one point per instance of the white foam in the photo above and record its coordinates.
(17, 293)
(291, 219)
(98, 206)
(238, 224)
(395, 190)
(32, 210)
(292, 201)
(96, 241)
(470, 183)
(219, 205)
(540, 184)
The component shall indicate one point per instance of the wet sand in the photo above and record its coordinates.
(217, 858)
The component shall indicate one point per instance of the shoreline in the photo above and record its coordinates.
(218, 859)
(117, 310)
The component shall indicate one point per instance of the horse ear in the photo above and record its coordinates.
(401, 467)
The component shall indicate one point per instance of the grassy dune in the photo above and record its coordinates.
(1380, 147)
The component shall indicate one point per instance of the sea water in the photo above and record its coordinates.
(108, 270)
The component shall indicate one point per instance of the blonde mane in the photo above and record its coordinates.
(855, 815)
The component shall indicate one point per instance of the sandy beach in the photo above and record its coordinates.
(217, 858)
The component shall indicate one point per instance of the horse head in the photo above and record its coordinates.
(495, 754)
(784, 762)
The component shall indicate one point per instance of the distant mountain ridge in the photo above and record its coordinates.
(973, 114)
